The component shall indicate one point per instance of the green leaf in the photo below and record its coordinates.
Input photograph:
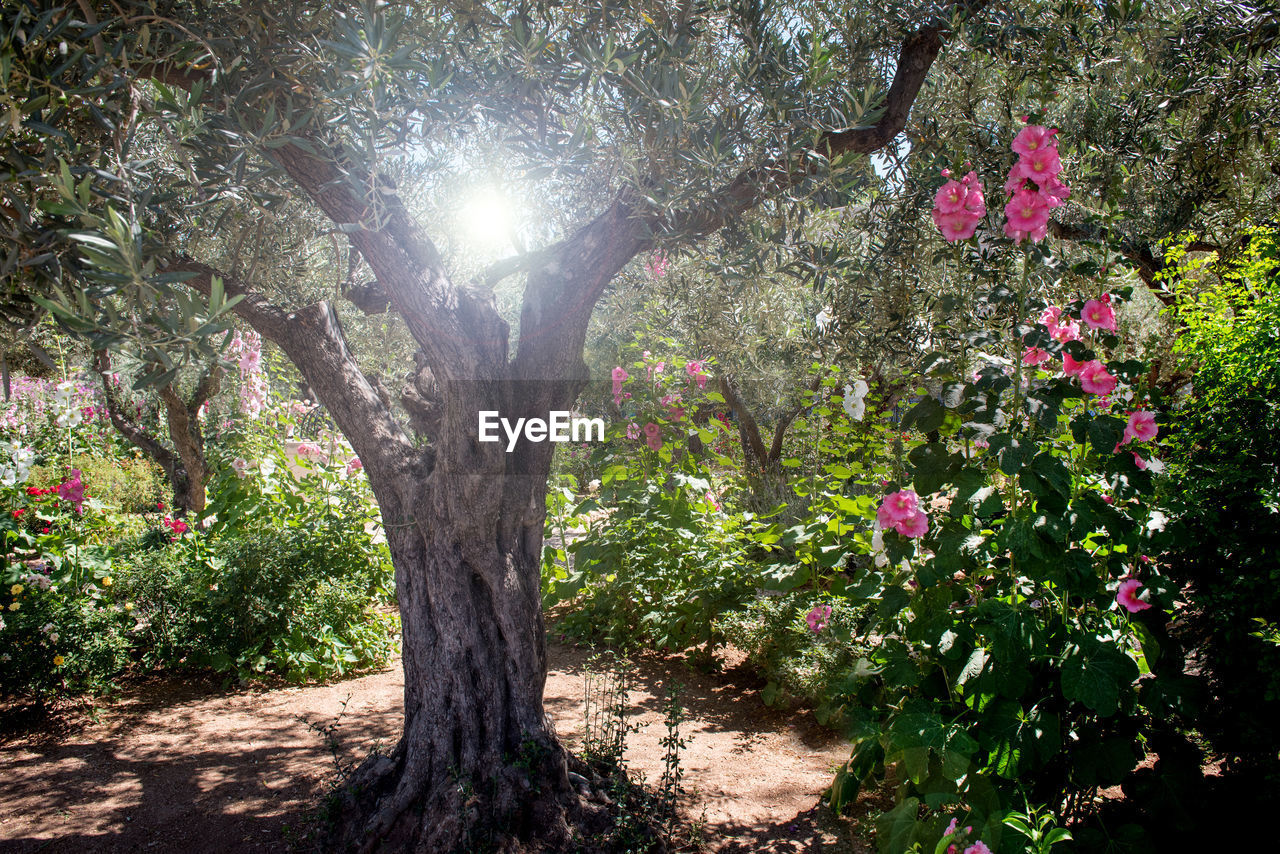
(1096, 673)
(925, 416)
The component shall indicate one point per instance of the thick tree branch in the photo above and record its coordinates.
(748, 429)
(461, 334)
(125, 425)
(313, 339)
(1148, 264)
(562, 292)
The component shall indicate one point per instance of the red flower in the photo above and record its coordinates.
(17, 514)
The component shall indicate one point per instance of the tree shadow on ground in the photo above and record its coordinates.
(172, 782)
(812, 831)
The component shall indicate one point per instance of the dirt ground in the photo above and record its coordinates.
(182, 766)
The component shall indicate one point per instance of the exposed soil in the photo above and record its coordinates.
(183, 766)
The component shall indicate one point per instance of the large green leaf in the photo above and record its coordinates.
(1096, 673)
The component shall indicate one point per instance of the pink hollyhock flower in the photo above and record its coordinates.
(950, 197)
(310, 451)
(354, 465)
(951, 828)
(957, 226)
(711, 499)
(654, 442)
(914, 526)
(1127, 596)
(1033, 138)
(1028, 217)
(958, 207)
(619, 377)
(1049, 317)
(901, 505)
(1015, 182)
(1099, 315)
(818, 618)
(1095, 380)
(72, 490)
(1054, 192)
(1064, 332)
(1141, 426)
(633, 430)
(651, 430)
(1070, 366)
(240, 466)
(978, 847)
(1039, 166)
(1139, 461)
(1034, 356)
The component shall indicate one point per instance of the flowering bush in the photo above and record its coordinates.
(100, 575)
(1023, 611)
(666, 560)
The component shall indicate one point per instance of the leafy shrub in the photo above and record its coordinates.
(804, 650)
(130, 484)
(298, 600)
(1226, 489)
(666, 561)
(58, 641)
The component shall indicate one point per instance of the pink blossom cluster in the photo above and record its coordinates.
(619, 377)
(1093, 374)
(697, 374)
(978, 846)
(35, 404)
(1033, 187)
(959, 206)
(819, 618)
(72, 490)
(901, 512)
(246, 349)
(653, 436)
(657, 265)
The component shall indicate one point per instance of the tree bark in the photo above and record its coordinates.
(186, 468)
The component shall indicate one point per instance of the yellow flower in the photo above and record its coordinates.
(15, 589)
(106, 581)
(128, 606)
(13, 606)
(57, 660)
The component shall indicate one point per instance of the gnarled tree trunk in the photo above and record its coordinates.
(184, 465)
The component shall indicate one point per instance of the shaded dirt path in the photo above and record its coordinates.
(185, 767)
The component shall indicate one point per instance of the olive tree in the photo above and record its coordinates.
(167, 164)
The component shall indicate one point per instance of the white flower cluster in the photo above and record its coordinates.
(15, 463)
(67, 407)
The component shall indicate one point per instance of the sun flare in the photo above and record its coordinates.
(487, 220)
